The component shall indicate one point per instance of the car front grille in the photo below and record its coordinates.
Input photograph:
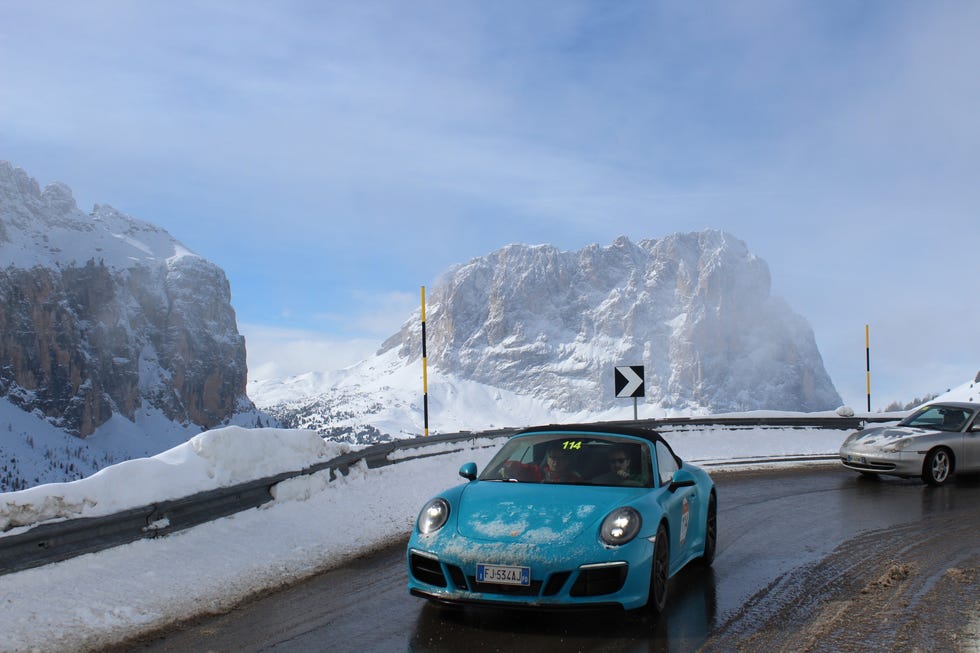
(555, 583)
(427, 570)
(506, 590)
(589, 582)
(459, 578)
(858, 463)
(599, 581)
(553, 586)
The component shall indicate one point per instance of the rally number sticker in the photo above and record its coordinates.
(685, 519)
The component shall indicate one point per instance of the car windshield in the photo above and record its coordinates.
(938, 418)
(573, 458)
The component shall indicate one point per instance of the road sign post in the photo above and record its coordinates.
(867, 361)
(425, 373)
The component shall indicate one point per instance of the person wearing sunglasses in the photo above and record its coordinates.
(620, 470)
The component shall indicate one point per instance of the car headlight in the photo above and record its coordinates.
(620, 526)
(433, 516)
(897, 445)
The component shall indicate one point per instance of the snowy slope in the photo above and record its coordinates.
(968, 392)
(46, 228)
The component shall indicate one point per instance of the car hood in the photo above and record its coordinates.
(533, 513)
(881, 436)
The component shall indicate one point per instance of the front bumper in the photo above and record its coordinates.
(555, 584)
(906, 464)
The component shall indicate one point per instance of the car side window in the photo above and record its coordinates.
(666, 465)
(953, 419)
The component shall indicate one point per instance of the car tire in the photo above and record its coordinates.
(710, 531)
(660, 571)
(938, 466)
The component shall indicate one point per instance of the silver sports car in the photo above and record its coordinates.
(933, 442)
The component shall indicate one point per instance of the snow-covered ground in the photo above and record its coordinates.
(312, 524)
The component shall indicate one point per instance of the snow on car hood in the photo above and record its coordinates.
(532, 513)
(880, 436)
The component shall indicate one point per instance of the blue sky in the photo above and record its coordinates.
(332, 157)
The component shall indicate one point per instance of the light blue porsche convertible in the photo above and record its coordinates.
(566, 516)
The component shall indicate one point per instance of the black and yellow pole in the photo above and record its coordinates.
(425, 372)
(867, 361)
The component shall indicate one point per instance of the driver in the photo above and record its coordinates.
(557, 467)
(953, 420)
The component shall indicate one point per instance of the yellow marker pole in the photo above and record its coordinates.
(425, 372)
(867, 361)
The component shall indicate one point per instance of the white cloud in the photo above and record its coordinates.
(281, 352)
(277, 352)
(385, 313)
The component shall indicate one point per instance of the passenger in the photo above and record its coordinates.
(557, 468)
(619, 470)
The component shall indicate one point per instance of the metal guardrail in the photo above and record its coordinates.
(52, 542)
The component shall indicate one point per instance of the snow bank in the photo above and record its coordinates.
(217, 458)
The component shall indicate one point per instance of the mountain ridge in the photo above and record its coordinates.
(548, 327)
(104, 314)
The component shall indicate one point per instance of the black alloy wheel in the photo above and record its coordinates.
(660, 573)
(710, 531)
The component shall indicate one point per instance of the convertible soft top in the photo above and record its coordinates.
(603, 429)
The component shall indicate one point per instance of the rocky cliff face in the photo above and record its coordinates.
(530, 335)
(694, 309)
(101, 314)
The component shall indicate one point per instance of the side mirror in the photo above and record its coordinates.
(468, 471)
(681, 478)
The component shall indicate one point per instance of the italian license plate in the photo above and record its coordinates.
(503, 574)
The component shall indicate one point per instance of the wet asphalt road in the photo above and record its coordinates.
(808, 559)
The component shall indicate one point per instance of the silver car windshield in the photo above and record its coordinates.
(939, 418)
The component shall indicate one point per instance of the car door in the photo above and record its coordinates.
(679, 506)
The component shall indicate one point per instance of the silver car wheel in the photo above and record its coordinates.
(937, 467)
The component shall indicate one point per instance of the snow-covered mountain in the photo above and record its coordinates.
(104, 315)
(530, 333)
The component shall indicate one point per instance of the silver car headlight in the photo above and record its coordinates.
(433, 516)
(898, 445)
(620, 526)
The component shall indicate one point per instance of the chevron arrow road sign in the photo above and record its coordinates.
(629, 381)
